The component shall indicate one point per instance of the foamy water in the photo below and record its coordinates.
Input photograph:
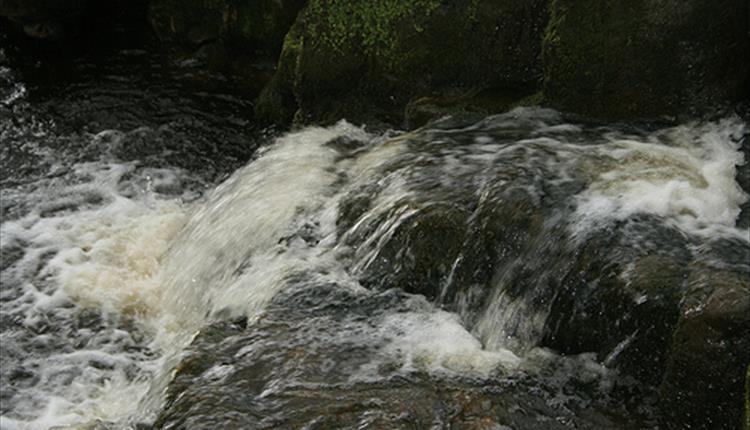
(154, 269)
(98, 259)
(685, 175)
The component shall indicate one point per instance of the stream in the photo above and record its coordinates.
(167, 263)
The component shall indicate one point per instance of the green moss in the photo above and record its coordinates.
(372, 25)
(365, 59)
(277, 102)
(535, 99)
(472, 12)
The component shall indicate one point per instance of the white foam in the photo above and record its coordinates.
(83, 252)
(437, 341)
(685, 175)
(230, 253)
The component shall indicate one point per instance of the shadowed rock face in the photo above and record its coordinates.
(367, 59)
(42, 18)
(253, 27)
(241, 38)
(407, 62)
(77, 23)
(645, 58)
(714, 325)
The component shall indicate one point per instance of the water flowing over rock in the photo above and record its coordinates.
(495, 223)
(166, 263)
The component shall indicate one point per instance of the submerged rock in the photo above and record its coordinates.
(612, 59)
(638, 293)
(365, 60)
(323, 357)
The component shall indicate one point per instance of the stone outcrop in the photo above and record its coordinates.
(646, 58)
(611, 60)
(366, 60)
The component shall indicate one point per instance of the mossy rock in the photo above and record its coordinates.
(365, 59)
(646, 58)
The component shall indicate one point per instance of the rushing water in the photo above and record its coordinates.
(336, 278)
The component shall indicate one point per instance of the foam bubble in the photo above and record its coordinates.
(86, 249)
(685, 175)
(437, 341)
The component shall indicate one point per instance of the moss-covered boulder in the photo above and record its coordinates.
(646, 58)
(366, 59)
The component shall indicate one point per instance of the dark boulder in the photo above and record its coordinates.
(318, 359)
(646, 58)
(419, 254)
(365, 60)
(239, 37)
(43, 19)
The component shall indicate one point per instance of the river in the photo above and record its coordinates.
(166, 262)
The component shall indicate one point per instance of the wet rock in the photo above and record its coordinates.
(620, 302)
(365, 60)
(302, 364)
(418, 257)
(648, 58)
(519, 278)
(423, 110)
(256, 27)
(709, 352)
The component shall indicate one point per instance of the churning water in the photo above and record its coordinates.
(121, 240)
